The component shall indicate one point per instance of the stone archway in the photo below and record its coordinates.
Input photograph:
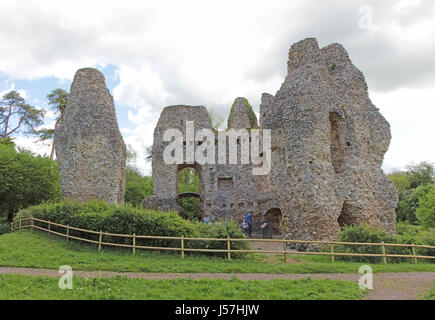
(274, 217)
(190, 191)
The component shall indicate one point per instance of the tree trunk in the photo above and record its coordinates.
(52, 145)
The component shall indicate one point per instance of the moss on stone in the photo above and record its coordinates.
(249, 111)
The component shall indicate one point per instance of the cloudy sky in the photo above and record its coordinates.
(159, 53)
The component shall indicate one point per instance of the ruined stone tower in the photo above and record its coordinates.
(89, 147)
(328, 143)
(227, 191)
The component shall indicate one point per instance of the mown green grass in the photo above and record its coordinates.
(431, 294)
(29, 287)
(40, 250)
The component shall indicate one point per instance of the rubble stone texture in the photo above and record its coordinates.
(328, 144)
(241, 115)
(227, 191)
(89, 147)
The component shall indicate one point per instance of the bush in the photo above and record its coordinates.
(25, 180)
(4, 227)
(190, 209)
(125, 219)
(406, 234)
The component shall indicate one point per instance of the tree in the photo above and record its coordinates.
(57, 99)
(426, 208)
(410, 202)
(149, 153)
(15, 115)
(216, 119)
(25, 180)
(421, 174)
(137, 187)
(400, 180)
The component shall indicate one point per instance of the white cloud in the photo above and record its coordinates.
(208, 53)
(32, 144)
(411, 115)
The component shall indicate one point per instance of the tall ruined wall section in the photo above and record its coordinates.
(227, 191)
(328, 143)
(89, 147)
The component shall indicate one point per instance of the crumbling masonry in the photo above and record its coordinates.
(328, 143)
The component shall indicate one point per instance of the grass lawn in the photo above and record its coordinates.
(431, 293)
(40, 250)
(28, 287)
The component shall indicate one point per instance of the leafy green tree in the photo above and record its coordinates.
(421, 174)
(25, 180)
(216, 119)
(57, 99)
(188, 181)
(426, 208)
(412, 184)
(410, 202)
(137, 187)
(400, 180)
(16, 114)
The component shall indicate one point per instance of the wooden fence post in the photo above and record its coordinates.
(413, 253)
(19, 228)
(332, 253)
(229, 248)
(182, 247)
(31, 221)
(285, 251)
(49, 226)
(12, 226)
(99, 241)
(134, 243)
(67, 233)
(383, 252)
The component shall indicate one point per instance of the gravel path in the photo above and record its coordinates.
(386, 286)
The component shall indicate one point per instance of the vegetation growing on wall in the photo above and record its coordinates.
(249, 111)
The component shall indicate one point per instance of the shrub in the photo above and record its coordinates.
(4, 227)
(190, 209)
(125, 219)
(406, 234)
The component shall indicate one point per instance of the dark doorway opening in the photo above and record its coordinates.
(274, 218)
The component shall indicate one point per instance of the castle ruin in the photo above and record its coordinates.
(328, 144)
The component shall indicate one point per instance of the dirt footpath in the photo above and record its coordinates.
(386, 286)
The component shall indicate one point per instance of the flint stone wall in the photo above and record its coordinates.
(89, 147)
(328, 144)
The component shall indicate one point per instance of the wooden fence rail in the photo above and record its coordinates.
(24, 223)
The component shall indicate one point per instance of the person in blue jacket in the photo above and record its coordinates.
(249, 221)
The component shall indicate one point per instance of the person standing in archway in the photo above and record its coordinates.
(249, 221)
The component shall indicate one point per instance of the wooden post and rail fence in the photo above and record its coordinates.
(30, 223)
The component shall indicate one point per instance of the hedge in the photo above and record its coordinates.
(366, 234)
(126, 219)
